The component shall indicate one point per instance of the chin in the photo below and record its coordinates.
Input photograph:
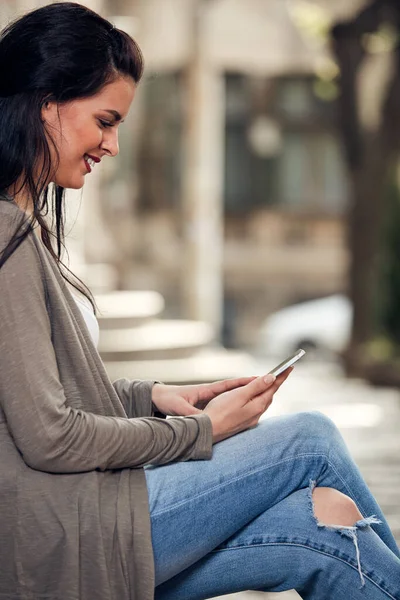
(69, 184)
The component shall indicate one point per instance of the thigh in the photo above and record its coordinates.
(195, 506)
(284, 548)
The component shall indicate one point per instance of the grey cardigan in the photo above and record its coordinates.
(74, 520)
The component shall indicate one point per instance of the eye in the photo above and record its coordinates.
(105, 124)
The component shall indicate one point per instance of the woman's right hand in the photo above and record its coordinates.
(241, 408)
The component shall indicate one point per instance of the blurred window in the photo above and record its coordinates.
(159, 152)
(281, 147)
(310, 172)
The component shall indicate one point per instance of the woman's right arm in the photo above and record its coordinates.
(51, 435)
(54, 437)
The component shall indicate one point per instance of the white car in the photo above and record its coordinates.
(321, 326)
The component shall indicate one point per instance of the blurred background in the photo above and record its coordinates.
(258, 170)
(255, 208)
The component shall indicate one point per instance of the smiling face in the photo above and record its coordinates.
(86, 130)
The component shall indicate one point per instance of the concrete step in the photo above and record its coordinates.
(206, 365)
(155, 340)
(126, 309)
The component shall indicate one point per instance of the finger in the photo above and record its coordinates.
(232, 384)
(210, 390)
(259, 404)
(277, 382)
(269, 393)
(282, 377)
(265, 399)
(258, 386)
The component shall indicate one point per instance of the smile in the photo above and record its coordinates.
(90, 161)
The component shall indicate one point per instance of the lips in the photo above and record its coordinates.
(95, 159)
(90, 161)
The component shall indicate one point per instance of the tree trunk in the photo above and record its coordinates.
(370, 158)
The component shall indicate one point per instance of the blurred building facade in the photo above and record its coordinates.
(229, 195)
(240, 186)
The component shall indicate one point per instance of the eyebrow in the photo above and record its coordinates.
(115, 114)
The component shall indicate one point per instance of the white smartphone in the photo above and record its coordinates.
(287, 363)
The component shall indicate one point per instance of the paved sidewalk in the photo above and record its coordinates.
(369, 419)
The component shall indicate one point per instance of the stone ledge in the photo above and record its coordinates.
(206, 365)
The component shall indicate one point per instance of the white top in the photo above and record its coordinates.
(90, 318)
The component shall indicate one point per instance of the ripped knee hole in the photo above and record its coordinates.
(331, 507)
(336, 511)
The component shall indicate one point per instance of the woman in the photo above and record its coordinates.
(86, 509)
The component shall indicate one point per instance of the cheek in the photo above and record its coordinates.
(81, 139)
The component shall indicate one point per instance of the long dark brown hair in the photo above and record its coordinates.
(60, 52)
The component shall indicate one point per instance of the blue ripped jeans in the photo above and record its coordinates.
(244, 520)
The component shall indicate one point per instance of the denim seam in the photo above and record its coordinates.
(347, 488)
(235, 479)
(249, 547)
(345, 484)
(238, 478)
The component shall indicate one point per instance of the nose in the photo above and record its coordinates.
(110, 142)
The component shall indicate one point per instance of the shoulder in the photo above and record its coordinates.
(11, 218)
(9, 209)
(26, 255)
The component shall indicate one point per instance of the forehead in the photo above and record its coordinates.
(116, 96)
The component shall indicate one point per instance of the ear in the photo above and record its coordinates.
(49, 112)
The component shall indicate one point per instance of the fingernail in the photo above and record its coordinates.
(269, 378)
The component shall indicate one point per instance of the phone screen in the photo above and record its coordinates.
(288, 362)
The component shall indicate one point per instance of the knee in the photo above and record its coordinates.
(315, 424)
(331, 507)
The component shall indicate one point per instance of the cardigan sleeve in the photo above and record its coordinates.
(135, 397)
(50, 434)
